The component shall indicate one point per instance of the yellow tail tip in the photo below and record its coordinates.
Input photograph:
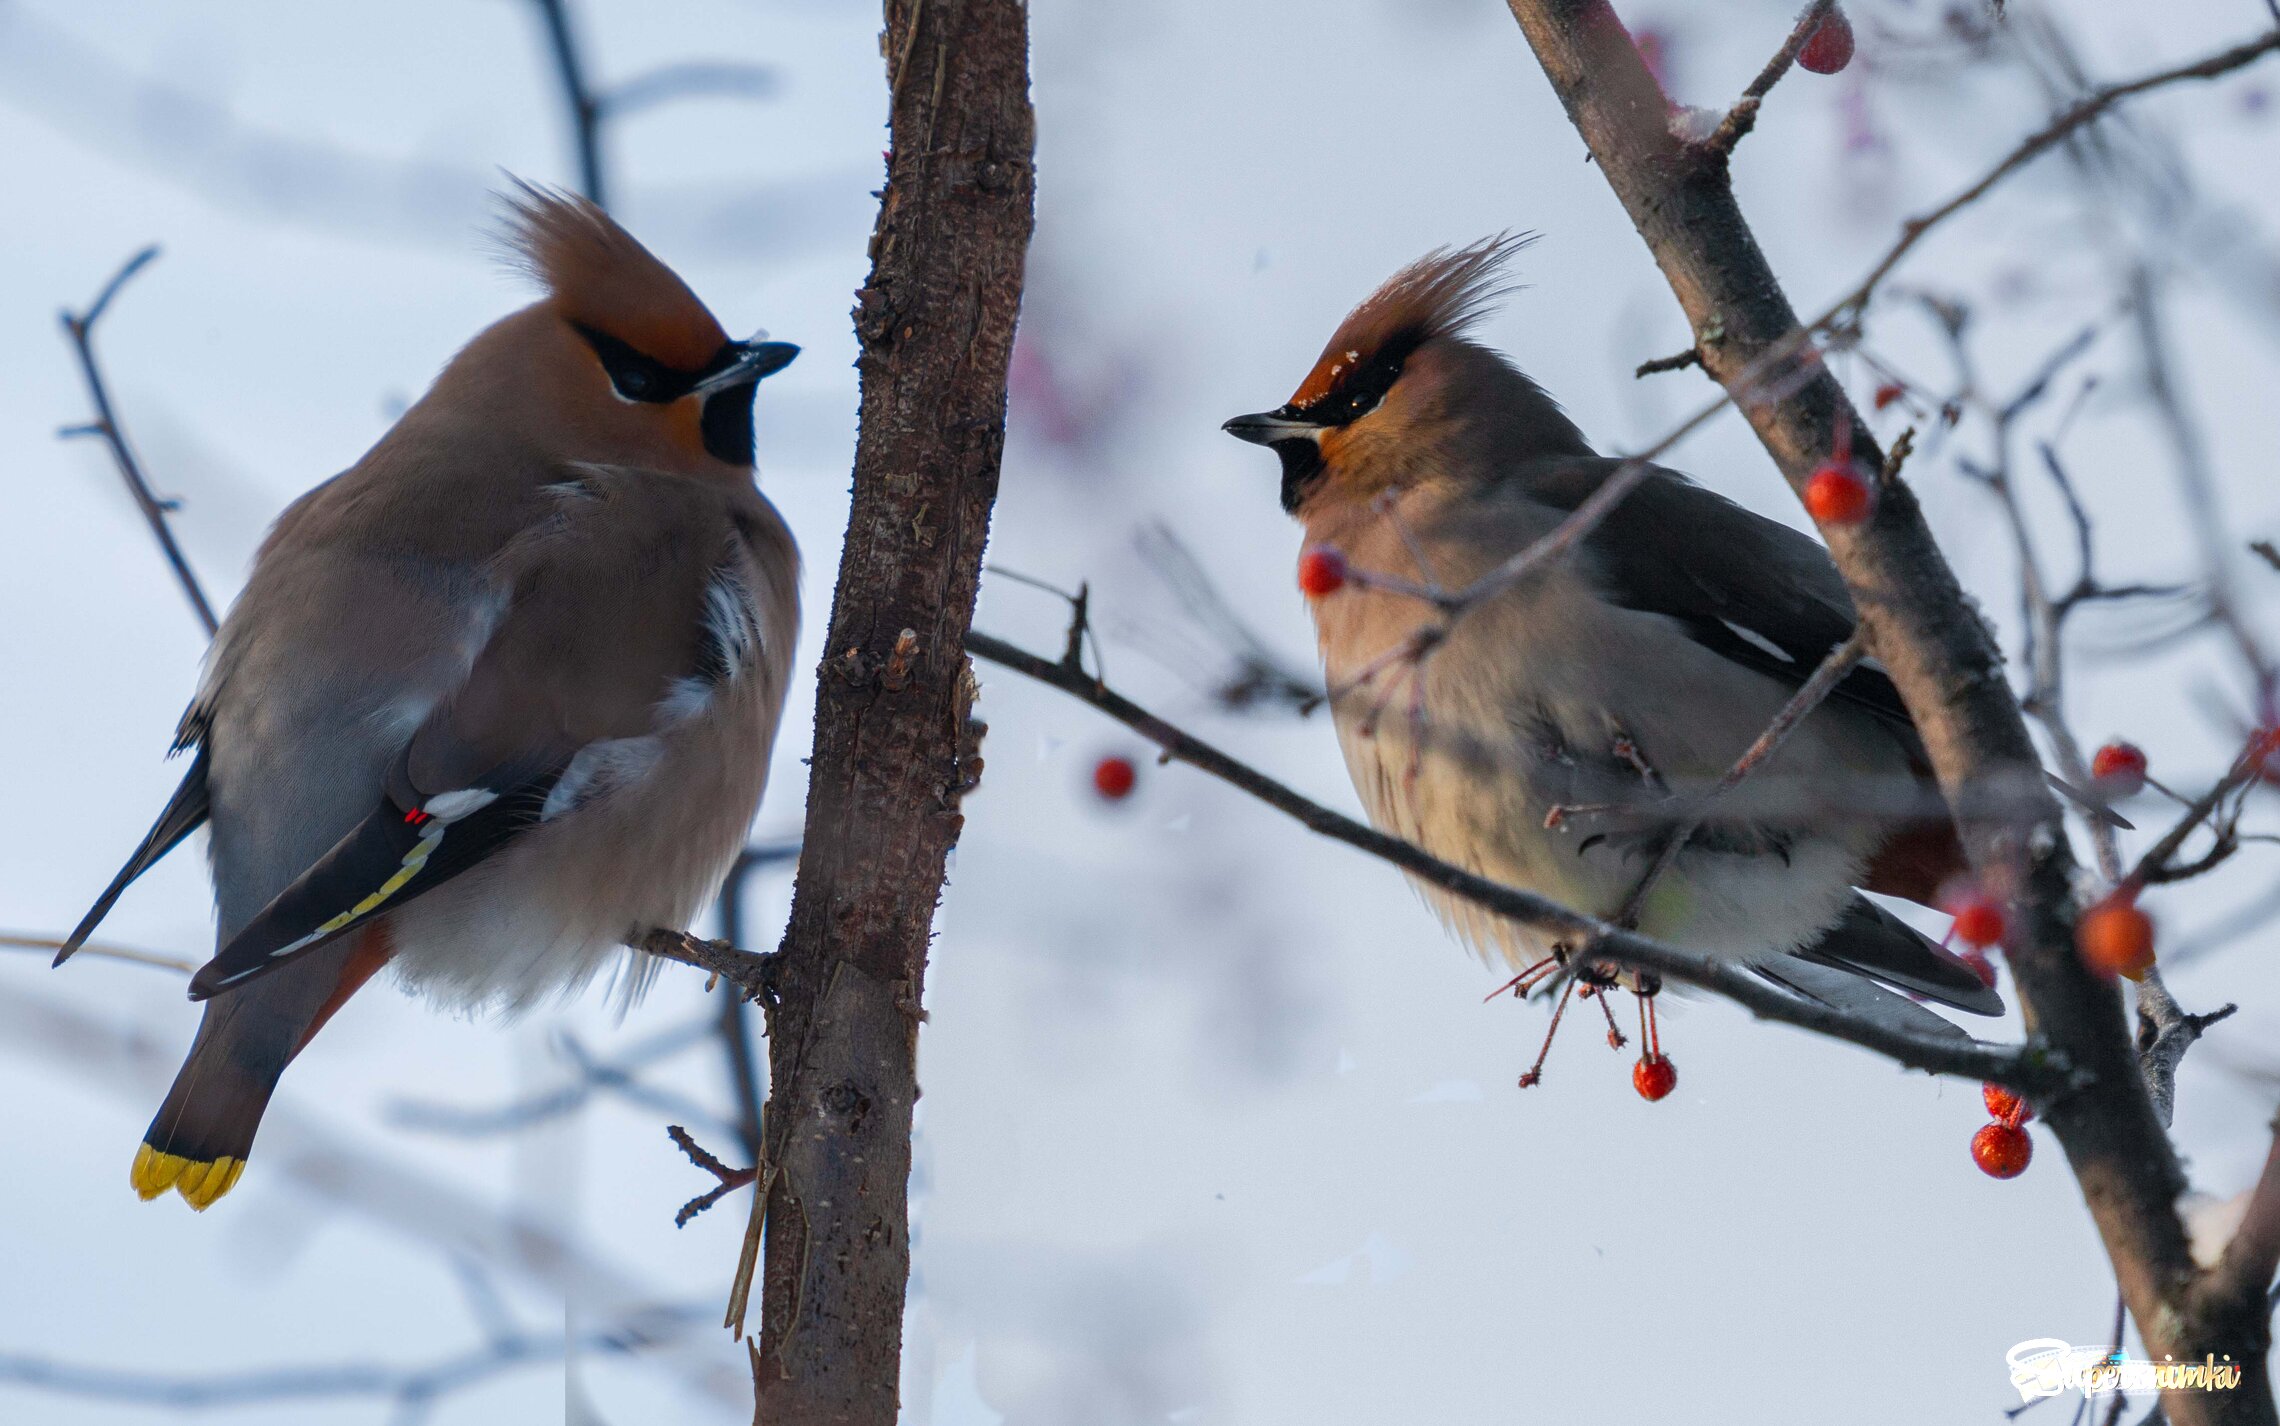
(200, 1182)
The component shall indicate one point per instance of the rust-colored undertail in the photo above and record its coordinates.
(200, 1140)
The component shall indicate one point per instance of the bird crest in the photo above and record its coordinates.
(601, 278)
(1442, 294)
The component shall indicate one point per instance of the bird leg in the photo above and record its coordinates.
(1535, 1072)
(1595, 981)
(1532, 977)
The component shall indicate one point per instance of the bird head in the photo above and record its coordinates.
(619, 362)
(1401, 396)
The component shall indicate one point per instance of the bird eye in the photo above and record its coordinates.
(635, 376)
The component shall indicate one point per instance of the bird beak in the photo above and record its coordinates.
(1264, 428)
(752, 361)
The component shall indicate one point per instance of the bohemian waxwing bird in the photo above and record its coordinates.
(497, 697)
(1548, 742)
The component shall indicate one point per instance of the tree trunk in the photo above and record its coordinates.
(935, 323)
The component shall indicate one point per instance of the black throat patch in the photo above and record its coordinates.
(727, 422)
(1301, 458)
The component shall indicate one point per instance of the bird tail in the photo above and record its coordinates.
(200, 1140)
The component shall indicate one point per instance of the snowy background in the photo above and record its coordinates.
(1216, 1125)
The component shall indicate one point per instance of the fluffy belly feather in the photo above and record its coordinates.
(1520, 713)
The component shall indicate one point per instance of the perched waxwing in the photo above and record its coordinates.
(1553, 739)
(497, 697)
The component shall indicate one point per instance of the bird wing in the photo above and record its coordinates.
(185, 813)
(626, 608)
(1750, 589)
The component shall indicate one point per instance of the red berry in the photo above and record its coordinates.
(1888, 393)
(1654, 1077)
(1978, 920)
(1830, 47)
(1321, 572)
(2119, 769)
(1836, 495)
(2002, 1150)
(2115, 937)
(1113, 778)
(1980, 966)
(2005, 1105)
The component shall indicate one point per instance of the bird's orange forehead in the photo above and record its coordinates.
(1329, 373)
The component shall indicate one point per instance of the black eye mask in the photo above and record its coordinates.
(639, 377)
(726, 418)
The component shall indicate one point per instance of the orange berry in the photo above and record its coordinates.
(2005, 1105)
(1830, 47)
(1321, 572)
(1654, 1076)
(2002, 1150)
(2119, 769)
(1836, 495)
(1114, 778)
(2115, 937)
(1888, 393)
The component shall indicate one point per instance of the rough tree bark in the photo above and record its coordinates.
(1949, 671)
(935, 323)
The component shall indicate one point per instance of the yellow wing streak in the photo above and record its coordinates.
(414, 860)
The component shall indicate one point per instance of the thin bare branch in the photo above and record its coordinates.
(753, 972)
(412, 1387)
(578, 98)
(590, 1077)
(2165, 1031)
(2041, 141)
(1742, 117)
(19, 941)
(1676, 361)
(79, 328)
(2245, 768)
(729, 1179)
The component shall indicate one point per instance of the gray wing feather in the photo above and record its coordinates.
(1841, 990)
